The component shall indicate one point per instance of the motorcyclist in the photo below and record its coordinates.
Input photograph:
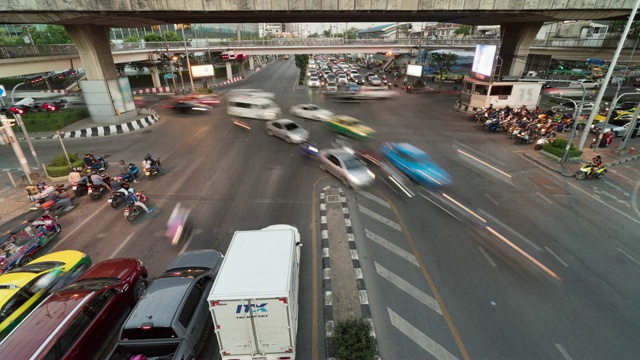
(98, 180)
(74, 176)
(91, 162)
(178, 218)
(596, 164)
(131, 198)
(125, 171)
(149, 164)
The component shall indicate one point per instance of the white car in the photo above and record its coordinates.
(287, 130)
(311, 111)
(313, 82)
(342, 79)
(332, 86)
(588, 84)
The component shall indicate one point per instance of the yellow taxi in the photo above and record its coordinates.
(23, 288)
(346, 125)
(600, 117)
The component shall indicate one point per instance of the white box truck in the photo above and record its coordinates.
(254, 299)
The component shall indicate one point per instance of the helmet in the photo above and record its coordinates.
(131, 191)
(147, 157)
(121, 162)
(598, 157)
(94, 172)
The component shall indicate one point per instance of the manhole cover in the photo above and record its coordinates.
(333, 199)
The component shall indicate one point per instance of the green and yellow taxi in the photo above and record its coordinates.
(600, 117)
(348, 126)
(23, 288)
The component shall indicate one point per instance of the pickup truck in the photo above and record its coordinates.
(171, 321)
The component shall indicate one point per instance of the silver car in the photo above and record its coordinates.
(287, 130)
(346, 167)
(568, 107)
(617, 126)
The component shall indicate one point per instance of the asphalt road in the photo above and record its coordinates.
(515, 262)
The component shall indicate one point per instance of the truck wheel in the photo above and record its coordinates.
(25, 260)
(138, 290)
(205, 334)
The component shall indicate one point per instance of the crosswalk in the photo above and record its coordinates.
(397, 272)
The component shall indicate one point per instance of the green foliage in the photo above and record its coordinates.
(353, 340)
(131, 39)
(152, 37)
(61, 160)
(52, 34)
(405, 29)
(442, 63)
(165, 36)
(52, 121)
(326, 33)
(302, 61)
(617, 26)
(464, 30)
(7, 40)
(63, 170)
(557, 148)
(350, 34)
(315, 35)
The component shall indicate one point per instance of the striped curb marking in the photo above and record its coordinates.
(326, 271)
(106, 130)
(159, 90)
(624, 160)
(230, 81)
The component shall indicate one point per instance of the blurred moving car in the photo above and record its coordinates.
(286, 57)
(253, 107)
(185, 107)
(415, 164)
(346, 125)
(78, 321)
(376, 93)
(313, 82)
(23, 288)
(210, 100)
(569, 107)
(342, 79)
(353, 87)
(373, 79)
(310, 111)
(618, 126)
(636, 82)
(287, 130)
(615, 115)
(346, 167)
(588, 84)
(358, 79)
(332, 86)
(251, 92)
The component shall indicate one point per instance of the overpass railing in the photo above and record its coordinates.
(582, 43)
(272, 43)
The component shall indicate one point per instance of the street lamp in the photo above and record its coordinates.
(184, 39)
(577, 113)
(609, 113)
(175, 58)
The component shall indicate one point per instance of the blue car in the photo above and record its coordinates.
(353, 87)
(415, 164)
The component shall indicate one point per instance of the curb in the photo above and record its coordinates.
(231, 81)
(158, 90)
(630, 158)
(544, 165)
(106, 130)
(365, 308)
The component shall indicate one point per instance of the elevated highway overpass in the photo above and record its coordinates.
(25, 60)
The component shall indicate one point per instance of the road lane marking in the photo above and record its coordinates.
(432, 285)
(489, 259)
(485, 164)
(370, 196)
(629, 256)
(557, 257)
(542, 196)
(420, 338)
(472, 150)
(405, 286)
(620, 175)
(565, 182)
(563, 352)
(464, 207)
(380, 218)
(517, 234)
(392, 247)
(490, 198)
(436, 204)
(186, 244)
(80, 226)
(121, 245)
(634, 203)
(314, 266)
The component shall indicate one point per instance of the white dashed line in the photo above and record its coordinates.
(374, 198)
(563, 352)
(121, 246)
(490, 198)
(547, 200)
(557, 257)
(408, 288)
(436, 204)
(392, 247)
(489, 259)
(380, 218)
(629, 256)
(521, 237)
(419, 338)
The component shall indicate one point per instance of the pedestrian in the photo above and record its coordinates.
(593, 93)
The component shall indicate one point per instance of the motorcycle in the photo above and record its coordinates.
(97, 191)
(309, 149)
(492, 125)
(151, 173)
(540, 143)
(132, 211)
(134, 170)
(408, 90)
(523, 138)
(117, 197)
(586, 169)
(603, 143)
(80, 188)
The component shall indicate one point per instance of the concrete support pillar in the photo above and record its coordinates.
(516, 42)
(109, 99)
(229, 71)
(251, 64)
(155, 76)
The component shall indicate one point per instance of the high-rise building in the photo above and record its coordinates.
(271, 29)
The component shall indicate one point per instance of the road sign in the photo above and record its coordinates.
(596, 62)
(3, 92)
(168, 76)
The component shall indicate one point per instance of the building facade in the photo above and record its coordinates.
(192, 31)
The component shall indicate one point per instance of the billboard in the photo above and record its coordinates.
(198, 71)
(483, 60)
(414, 70)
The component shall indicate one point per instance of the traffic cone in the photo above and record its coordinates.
(633, 149)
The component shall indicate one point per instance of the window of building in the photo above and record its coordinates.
(501, 90)
(467, 87)
(481, 89)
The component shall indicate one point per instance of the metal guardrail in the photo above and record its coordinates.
(583, 43)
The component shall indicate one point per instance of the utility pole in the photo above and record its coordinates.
(173, 76)
(574, 128)
(26, 135)
(607, 77)
(630, 129)
(6, 125)
(184, 39)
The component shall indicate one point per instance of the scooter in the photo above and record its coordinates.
(131, 212)
(540, 143)
(603, 143)
(117, 197)
(134, 170)
(151, 173)
(586, 169)
(309, 149)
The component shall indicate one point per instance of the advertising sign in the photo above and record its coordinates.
(484, 58)
(414, 70)
(199, 71)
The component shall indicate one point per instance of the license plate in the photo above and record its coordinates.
(109, 201)
(75, 188)
(126, 212)
(90, 190)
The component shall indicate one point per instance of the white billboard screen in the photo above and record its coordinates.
(483, 59)
(202, 71)
(414, 70)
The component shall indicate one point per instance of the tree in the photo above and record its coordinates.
(464, 30)
(301, 62)
(617, 26)
(52, 34)
(405, 29)
(167, 35)
(131, 39)
(442, 62)
(152, 37)
(7, 40)
(326, 33)
(351, 33)
(314, 35)
(172, 36)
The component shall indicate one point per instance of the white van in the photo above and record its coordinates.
(251, 92)
(253, 107)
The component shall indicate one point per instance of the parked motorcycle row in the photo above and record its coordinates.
(59, 199)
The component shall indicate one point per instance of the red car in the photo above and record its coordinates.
(78, 321)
